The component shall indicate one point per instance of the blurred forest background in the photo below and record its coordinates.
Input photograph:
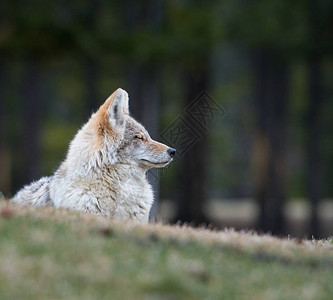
(267, 163)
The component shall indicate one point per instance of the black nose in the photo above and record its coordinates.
(172, 152)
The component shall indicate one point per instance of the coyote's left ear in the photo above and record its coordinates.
(118, 108)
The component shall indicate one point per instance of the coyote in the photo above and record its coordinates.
(105, 168)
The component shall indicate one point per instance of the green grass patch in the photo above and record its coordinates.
(52, 254)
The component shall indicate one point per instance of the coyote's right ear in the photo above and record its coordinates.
(111, 115)
(118, 108)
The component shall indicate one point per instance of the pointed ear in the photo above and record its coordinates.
(111, 115)
(118, 108)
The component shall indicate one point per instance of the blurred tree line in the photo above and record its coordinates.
(268, 63)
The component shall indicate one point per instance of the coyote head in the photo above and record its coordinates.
(120, 138)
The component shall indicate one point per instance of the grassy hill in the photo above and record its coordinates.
(51, 254)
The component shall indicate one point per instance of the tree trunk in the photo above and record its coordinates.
(313, 144)
(270, 142)
(31, 111)
(313, 117)
(191, 194)
(91, 61)
(92, 77)
(5, 158)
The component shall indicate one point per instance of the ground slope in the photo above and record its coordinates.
(53, 254)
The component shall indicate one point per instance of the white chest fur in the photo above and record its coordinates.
(121, 192)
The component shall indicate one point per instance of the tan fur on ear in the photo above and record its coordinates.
(101, 118)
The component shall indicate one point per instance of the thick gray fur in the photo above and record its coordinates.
(36, 193)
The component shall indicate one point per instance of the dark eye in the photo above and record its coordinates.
(139, 137)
